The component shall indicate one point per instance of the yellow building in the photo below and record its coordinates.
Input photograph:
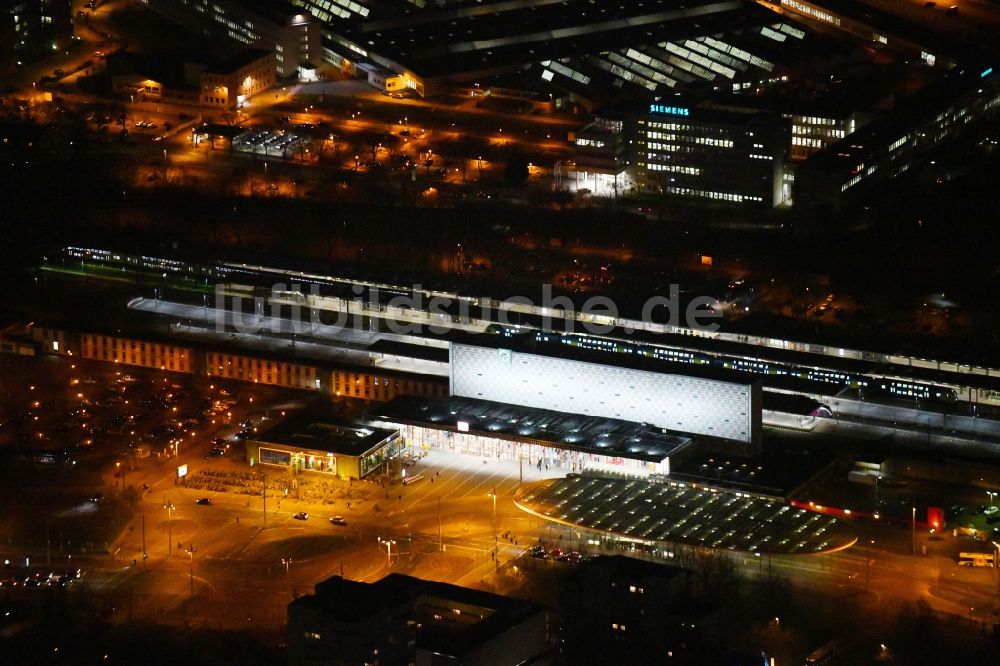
(306, 443)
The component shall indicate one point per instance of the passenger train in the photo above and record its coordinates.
(899, 388)
(868, 383)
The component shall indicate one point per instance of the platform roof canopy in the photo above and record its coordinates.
(684, 513)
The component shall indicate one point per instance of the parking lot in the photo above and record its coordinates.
(96, 412)
(72, 431)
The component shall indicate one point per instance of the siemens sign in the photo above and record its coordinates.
(669, 110)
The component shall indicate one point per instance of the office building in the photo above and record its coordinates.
(216, 83)
(404, 620)
(271, 25)
(639, 611)
(229, 83)
(711, 155)
(600, 161)
(33, 29)
(891, 146)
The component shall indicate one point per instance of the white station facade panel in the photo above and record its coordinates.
(676, 402)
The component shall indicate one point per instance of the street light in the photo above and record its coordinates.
(496, 538)
(388, 543)
(170, 508)
(287, 562)
(868, 565)
(190, 552)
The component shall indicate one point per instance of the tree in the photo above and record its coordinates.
(515, 171)
(715, 572)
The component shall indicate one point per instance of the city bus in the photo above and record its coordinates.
(975, 559)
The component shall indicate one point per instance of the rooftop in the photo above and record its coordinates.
(231, 63)
(589, 434)
(281, 12)
(351, 601)
(783, 465)
(437, 42)
(950, 91)
(308, 430)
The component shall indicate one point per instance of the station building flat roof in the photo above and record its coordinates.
(588, 434)
(783, 465)
(684, 513)
(307, 430)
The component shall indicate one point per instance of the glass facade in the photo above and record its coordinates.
(372, 460)
(275, 457)
(539, 455)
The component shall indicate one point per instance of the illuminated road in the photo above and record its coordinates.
(243, 572)
(238, 564)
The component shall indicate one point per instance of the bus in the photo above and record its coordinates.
(975, 559)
